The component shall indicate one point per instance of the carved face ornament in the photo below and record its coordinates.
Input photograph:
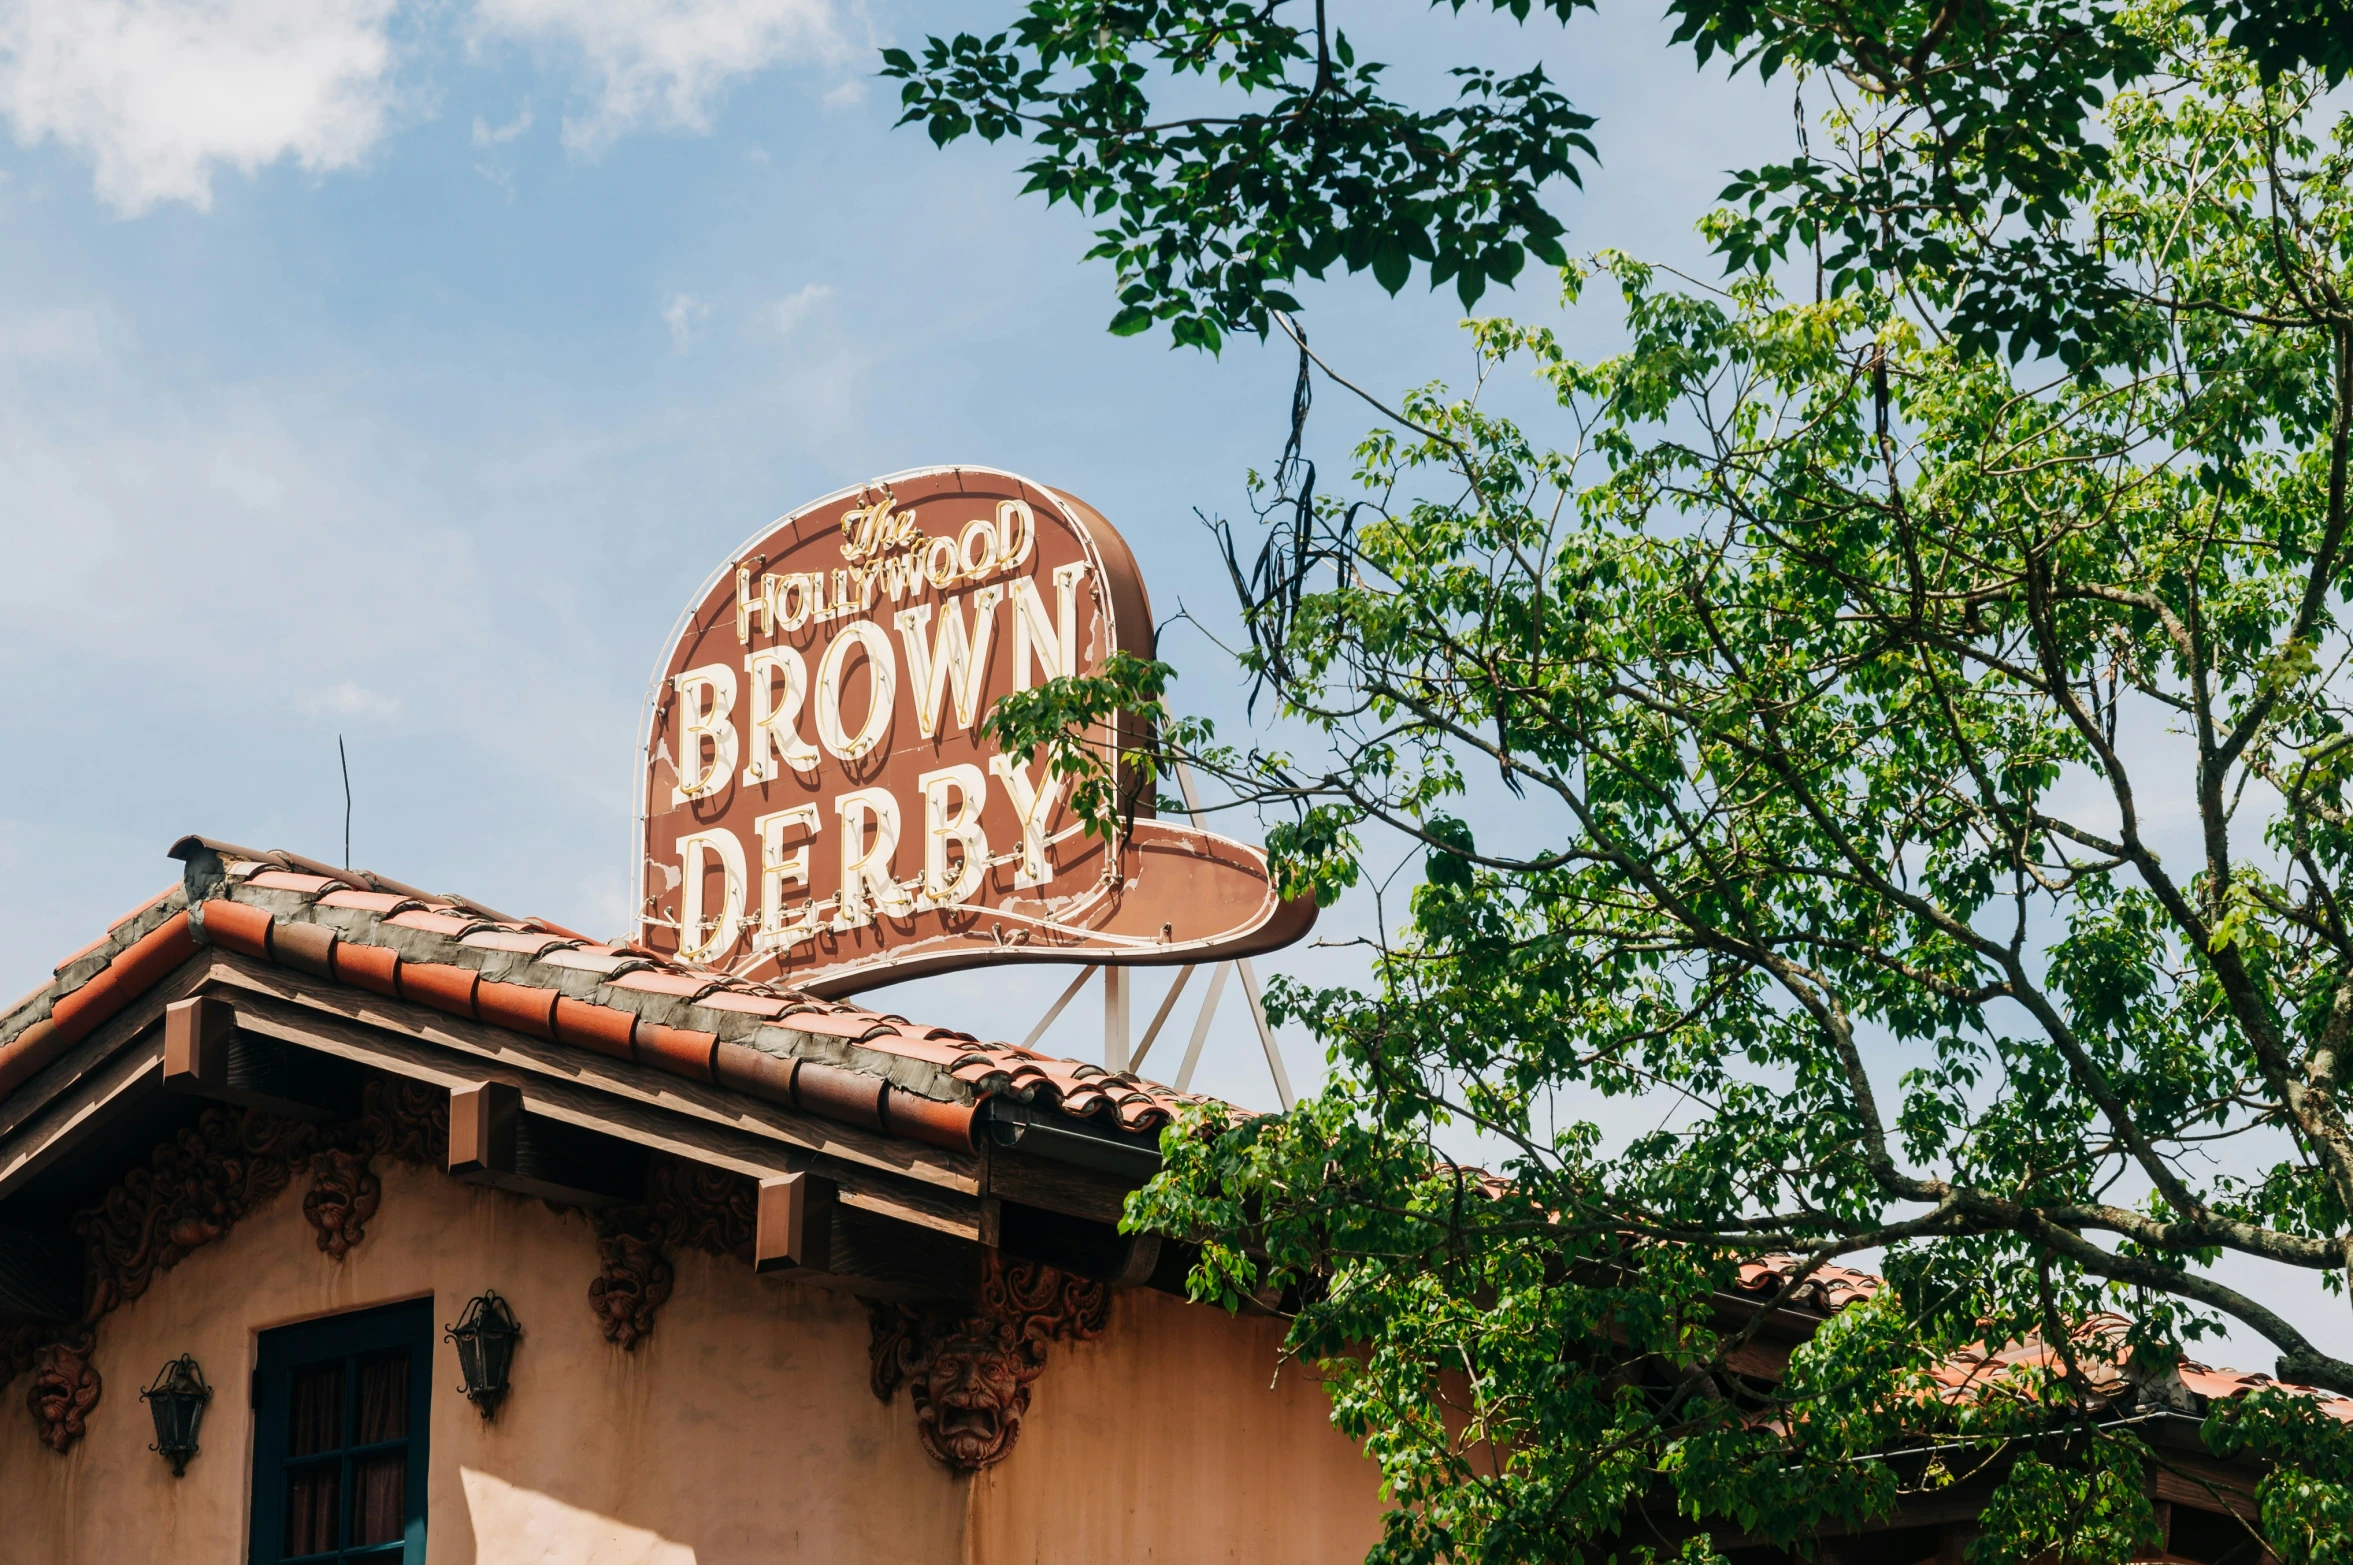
(65, 1388)
(971, 1396)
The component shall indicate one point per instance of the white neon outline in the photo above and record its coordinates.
(640, 917)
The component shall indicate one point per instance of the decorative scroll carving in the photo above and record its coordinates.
(66, 1386)
(406, 1120)
(687, 1205)
(191, 1191)
(344, 1193)
(633, 1278)
(969, 1375)
(194, 1189)
(705, 1208)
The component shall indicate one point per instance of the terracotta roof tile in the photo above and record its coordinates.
(2223, 1384)
(92, 949)
(856, 1026)
(137, 955)
(593, 959)
(286, 880)
(679, 983)
(1978, 1370)
(750, 1004)
(1828, 1289)
(148, 906)
(452, 925)
(511, 940)
(537, 977)
(382, 903)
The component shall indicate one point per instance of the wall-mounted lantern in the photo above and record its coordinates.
(177, 1400)
(485, 1337)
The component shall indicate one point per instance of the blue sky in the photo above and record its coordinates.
(396, 371)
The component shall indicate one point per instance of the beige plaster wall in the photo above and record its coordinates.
(1172, 1438)
(742, 1430)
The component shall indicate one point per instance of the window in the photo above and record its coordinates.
(339, 1438)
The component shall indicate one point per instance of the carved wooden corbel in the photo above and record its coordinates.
(633, 1278)
(406, 1120)
(344, 1194)
(687, 1205)
(969, 1375)
(66, 1386)
(699, 1207)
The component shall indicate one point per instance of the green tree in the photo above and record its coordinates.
(1290, 157)
(1933, 766)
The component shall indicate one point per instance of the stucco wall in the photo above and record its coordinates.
(741, 1431)
(1172, 1438)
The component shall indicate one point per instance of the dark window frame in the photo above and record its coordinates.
(351, 1338)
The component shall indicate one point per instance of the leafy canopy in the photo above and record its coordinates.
(1288, 155)
(1923, 770)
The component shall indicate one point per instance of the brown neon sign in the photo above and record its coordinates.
(816, 802)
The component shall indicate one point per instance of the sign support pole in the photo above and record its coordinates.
(1266, 1034)
(1115, 1018)
(1175, 992)
(1217, 989)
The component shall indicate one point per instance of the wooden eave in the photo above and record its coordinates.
(115, 1077)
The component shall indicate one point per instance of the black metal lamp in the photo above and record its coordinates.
(485, 1337)
(177, 1400)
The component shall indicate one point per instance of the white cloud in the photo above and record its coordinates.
(788, 312)
(489, 135)
(663, 62)
(684, 315)
(159, 94)
(346, 699)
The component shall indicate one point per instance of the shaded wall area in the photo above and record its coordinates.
(743, 1429)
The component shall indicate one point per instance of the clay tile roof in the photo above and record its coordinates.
(1828, 1289)
(856, 1026)
(1978, 1370)
(286, 880)
(538, 977)
(496, 939)
(676, 981)
(592, 959)
(2223, 1384)
(381, 902)
(148, 906)
(750, 1004)
(451, 924)
(102, 943)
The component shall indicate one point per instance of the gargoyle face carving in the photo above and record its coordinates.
(65, 1387)
(971, 1394)
(969, 1374)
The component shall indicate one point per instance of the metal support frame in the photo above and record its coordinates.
(1115, 1019)
(1175, 992)
(1217, 989)
(1058, 1007)
(1117, 1016)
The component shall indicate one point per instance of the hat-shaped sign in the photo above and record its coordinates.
(818, 804)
